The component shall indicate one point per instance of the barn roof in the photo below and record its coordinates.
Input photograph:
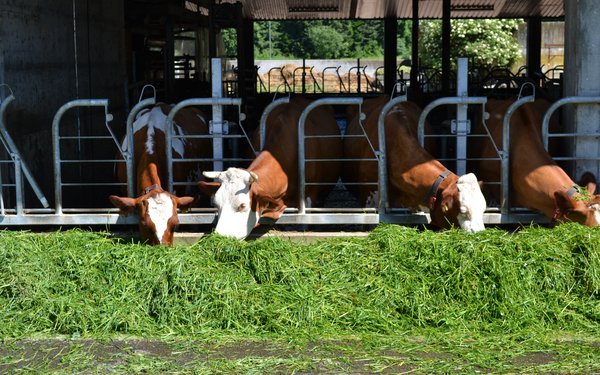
(373, 9)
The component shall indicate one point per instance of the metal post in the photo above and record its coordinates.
(215, 102)
(445, 101)
(56, 142)
(217, 115)
(505, 153)
(301, 149)
(18, 184)
(461, 125)
(381, 162)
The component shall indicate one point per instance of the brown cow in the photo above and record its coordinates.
(537, 182)
(415, 178)
(157, 208)
(270, 183)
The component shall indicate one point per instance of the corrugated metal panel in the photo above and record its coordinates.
(369, 9)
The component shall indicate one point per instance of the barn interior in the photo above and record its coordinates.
(56, 52)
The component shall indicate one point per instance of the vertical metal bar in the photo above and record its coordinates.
(217, 115)
(304, 76)
(301, 148)
(505, 153)
(446, 32)
(462, 90)
(382, 158)
(358, 75)
(414, 70)
(18, 184)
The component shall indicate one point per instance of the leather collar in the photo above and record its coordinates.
(430, 198)
(150, 188)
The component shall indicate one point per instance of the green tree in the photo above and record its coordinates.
(324, 42)
(404, 39)
(487, 42)
(229, 37)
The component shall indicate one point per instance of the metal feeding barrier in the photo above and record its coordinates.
(221, 130)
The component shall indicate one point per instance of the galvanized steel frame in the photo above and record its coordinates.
(300, 215)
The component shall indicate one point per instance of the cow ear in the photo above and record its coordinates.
(211, 174)
(125, 204)
(563, 202)
(183, 203)
(209, 188)
(589, 181)
(447, 202)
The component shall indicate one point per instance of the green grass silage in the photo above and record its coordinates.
(397, 278)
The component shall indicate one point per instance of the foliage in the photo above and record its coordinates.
(324, 42)
(394, 280)
(229, 37)
(326, 39)
(487, 42)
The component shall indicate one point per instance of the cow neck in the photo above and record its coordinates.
(148, 179)
(430, 197)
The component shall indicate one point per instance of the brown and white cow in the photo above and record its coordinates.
(415, 178)
(270, 183)
(537, 182)
(156, 207)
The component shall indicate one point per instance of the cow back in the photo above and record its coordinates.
(282, 142)
(404, 153)
(533, 173)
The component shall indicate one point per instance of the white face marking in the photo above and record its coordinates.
(232, 199)
(160, 209)
(472, 203)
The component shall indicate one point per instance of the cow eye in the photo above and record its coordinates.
(241, 207)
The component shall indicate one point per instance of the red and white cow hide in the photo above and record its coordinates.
(415, 178)
(155, 207)
(537, 182)
(270, 183)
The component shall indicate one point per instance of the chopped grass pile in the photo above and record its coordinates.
(397, 278)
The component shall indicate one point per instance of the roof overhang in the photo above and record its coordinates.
(402, 9)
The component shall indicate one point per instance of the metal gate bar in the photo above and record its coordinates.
(215, 103)
(20, 165)
(301, 147)
(382, 162)
(56, 142)
(505, 152)
(558, 104)
(263, 119)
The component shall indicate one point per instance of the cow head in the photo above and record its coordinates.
(462, 204)
(581, 207)
(157, 212)
(233, 198)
